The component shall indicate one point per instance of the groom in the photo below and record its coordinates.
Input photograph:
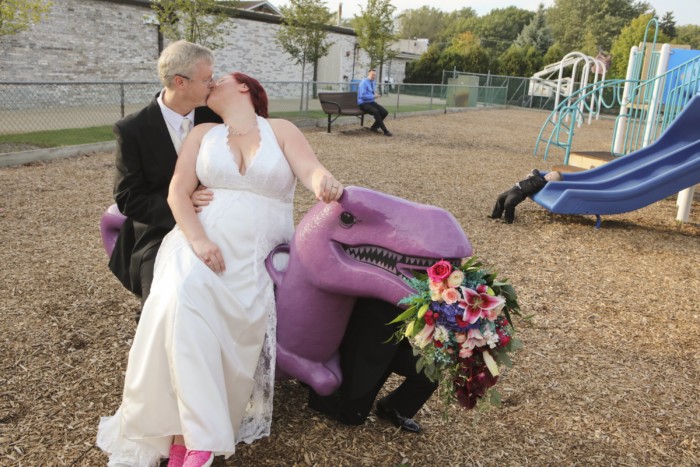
(368, 356)
(147, 145)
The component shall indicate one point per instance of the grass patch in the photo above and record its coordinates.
(58, 138)
(98, 134)
(293, 115)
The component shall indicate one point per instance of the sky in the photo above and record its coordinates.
(684, 11)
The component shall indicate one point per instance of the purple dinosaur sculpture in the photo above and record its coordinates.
(361, 246)
(110, 224)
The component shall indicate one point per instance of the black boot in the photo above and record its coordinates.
(386, 413)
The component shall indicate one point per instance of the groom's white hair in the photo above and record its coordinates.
(180, 58)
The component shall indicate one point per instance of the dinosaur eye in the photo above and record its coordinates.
(347, 219)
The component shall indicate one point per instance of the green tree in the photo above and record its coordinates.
(554, 54)
(427, 68)
(589, 45)
(630, 36)
(499, 29)
(19, 15)
(421, 23)
(520, 61)
(376, 32)
(303, 33)
(688, 34)
(570, 20)
(668, 25)
(536, 33)
(198, 21)
(457, 22)
(466, 54)
(533, 61)
(613, 15)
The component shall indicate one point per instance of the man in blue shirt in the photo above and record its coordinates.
(365, 100)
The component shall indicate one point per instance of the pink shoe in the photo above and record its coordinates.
(177, 455)
(198, 458)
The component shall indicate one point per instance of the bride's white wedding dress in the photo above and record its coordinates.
(203, 358)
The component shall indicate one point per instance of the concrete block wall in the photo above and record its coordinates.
(113, 40)
(83, 40)
(103, 40)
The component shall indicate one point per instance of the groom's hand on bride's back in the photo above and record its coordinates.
(201, 197)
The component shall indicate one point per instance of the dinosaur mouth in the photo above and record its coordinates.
(394, 263)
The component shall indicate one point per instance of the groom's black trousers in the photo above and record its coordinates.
(367, 362)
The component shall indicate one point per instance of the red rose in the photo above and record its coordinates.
(439, 271)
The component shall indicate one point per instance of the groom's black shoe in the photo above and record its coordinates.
(405, 423)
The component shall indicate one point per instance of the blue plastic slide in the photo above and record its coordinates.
(669, 165)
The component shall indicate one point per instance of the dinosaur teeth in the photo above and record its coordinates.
(387, 259)
(376, 256)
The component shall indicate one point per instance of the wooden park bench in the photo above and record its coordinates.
(339, 104)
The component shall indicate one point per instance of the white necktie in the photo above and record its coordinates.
(184, 128)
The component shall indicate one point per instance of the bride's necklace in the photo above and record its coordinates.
(233, 132)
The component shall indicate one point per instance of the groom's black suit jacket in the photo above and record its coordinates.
(145, 163)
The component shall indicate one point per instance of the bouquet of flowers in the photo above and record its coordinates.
(459, 323)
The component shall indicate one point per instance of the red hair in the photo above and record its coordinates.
(258, 96)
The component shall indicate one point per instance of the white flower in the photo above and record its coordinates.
(425, 336)
(491, 338)
(441, 334)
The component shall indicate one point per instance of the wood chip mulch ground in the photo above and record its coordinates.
(610, 372)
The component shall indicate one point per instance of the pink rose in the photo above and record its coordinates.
(450, 296)
(439, 271)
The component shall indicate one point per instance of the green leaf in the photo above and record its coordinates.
(430, 371)
(418, 326)
(420, 276)
(406, 315)
(515, 344)
(504, 359)
(495, 397)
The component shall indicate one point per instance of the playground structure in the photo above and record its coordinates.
(669, 165)
(650, 98)
(543, 84)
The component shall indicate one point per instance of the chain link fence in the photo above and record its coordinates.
(50, 114)
(515, 91)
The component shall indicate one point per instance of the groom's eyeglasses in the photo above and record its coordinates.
(207, 82)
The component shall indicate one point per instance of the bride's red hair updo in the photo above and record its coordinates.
(258, 96)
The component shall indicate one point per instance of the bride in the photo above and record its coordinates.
(200, 375)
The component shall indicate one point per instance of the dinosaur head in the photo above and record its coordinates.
(368, 242)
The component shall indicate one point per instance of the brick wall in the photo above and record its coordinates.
(108, 40)
(83, 40)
